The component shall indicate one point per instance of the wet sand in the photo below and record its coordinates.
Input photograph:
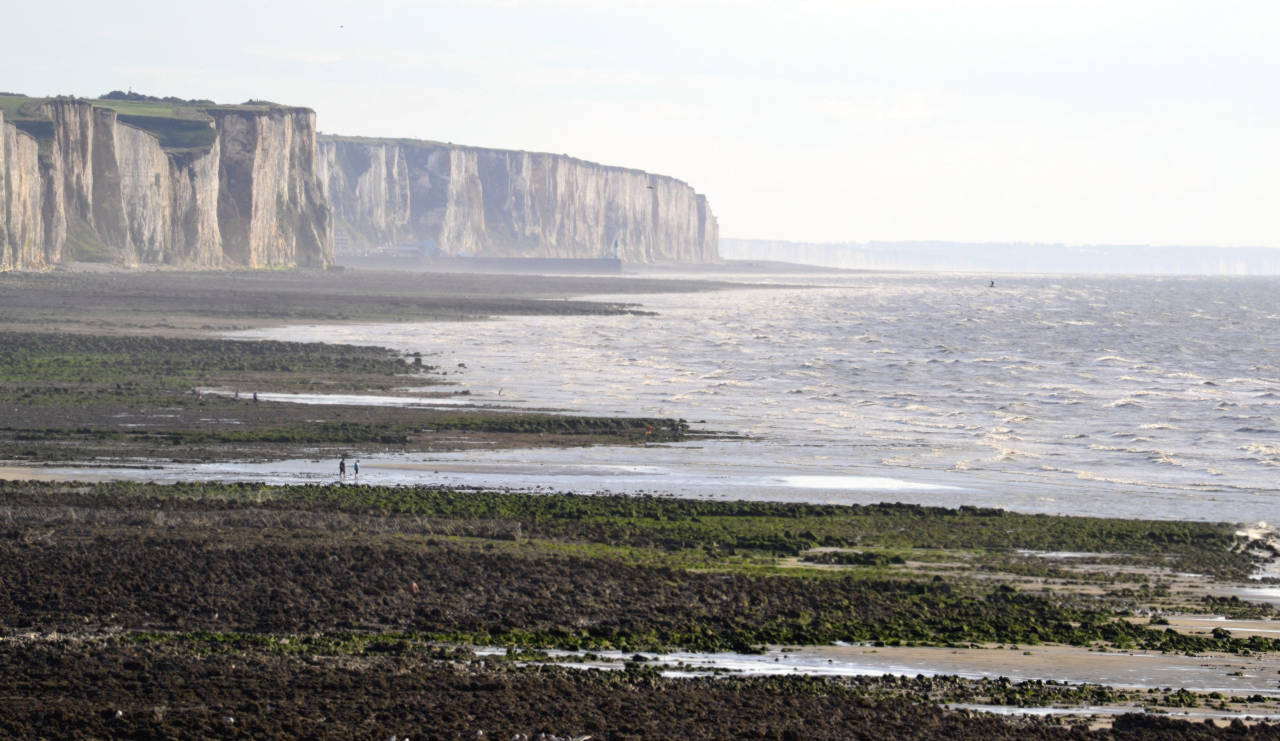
(1226, 673)
(1238, 628)
(28, 473)
(504, 464)
(1127, 669)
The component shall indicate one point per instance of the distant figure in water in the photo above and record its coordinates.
(355, 468)
(342, 467)
(993, 284)
(255, 396)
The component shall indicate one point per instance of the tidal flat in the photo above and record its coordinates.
(126, 368)
(337, 609)
(222, 590)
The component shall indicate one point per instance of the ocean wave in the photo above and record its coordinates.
(920, 408)
(1106, 448)
(1245, 380)
(1127, 402)
(1267, 454)
(1132, 437)
(1104, 478)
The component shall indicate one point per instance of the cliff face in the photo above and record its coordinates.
(109, 190)
(271, 207)
(21, 215)
(467, 200)
(251, 189)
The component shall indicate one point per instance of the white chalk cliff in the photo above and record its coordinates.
(260, 188)
(500, 203)
(22, 240)
(101, 187)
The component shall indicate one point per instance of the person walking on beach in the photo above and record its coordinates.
(356, 469)
(342, 468)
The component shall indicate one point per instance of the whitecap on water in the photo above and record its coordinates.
(1129, 402)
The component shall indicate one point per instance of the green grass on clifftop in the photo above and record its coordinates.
(11, 106)
(182, 127)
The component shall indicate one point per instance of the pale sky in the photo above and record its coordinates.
(965, 120)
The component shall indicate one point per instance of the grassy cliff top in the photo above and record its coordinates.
(25, 107)
(181, 126)
(22, 111)
(11, 105)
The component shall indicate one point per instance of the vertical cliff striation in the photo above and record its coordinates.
(134, 180)
(489, 202)
(110, 187)
(22, 241)
(271, 206)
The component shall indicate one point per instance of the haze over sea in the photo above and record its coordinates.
(1123, 396)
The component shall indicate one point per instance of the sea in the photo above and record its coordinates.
(1118, 396)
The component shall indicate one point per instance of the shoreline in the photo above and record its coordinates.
(345, 581)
